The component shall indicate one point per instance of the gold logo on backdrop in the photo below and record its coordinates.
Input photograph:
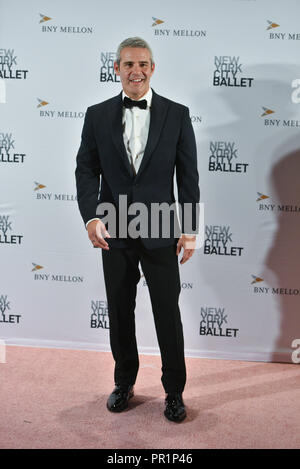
(256, 279)
(38, 186)
(267, 111)
(262, 196)
(157, 21)
(44, 18)
(272, 25)
(36, 267)
(41, 102)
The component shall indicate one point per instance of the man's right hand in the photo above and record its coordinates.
(97, 232)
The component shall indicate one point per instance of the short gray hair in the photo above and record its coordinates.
(133, 42)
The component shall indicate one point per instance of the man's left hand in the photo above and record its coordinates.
(188, 243)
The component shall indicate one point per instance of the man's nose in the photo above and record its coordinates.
(136, 68)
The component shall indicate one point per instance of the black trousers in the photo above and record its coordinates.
(121, 274)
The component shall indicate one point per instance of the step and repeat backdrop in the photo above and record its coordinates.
(236, 65)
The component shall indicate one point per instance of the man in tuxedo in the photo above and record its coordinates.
(132, 144)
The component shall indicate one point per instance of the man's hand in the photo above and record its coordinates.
(97, 232)
(188, 243)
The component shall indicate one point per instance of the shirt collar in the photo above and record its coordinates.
(147, 96)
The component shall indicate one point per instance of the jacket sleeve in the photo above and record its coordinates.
(187, 176)
(88, 171)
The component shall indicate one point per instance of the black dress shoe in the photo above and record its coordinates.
(118, 400)
(175, 410)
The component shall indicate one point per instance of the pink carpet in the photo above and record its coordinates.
(53, 398)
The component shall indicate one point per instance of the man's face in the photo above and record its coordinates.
(135, 71)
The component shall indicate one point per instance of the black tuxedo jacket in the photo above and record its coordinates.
(170, 146)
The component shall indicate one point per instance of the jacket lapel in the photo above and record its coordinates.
(117, 131)
(158, 114)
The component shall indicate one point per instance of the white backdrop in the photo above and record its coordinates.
(235, 64)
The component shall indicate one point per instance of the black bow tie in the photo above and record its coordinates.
(129, 103)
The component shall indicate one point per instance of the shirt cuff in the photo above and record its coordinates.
(92, 219)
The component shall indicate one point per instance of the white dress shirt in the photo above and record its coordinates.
(136, 124)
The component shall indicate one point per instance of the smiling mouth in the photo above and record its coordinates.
(137, 80)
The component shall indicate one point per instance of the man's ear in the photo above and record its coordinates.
(116, 68)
